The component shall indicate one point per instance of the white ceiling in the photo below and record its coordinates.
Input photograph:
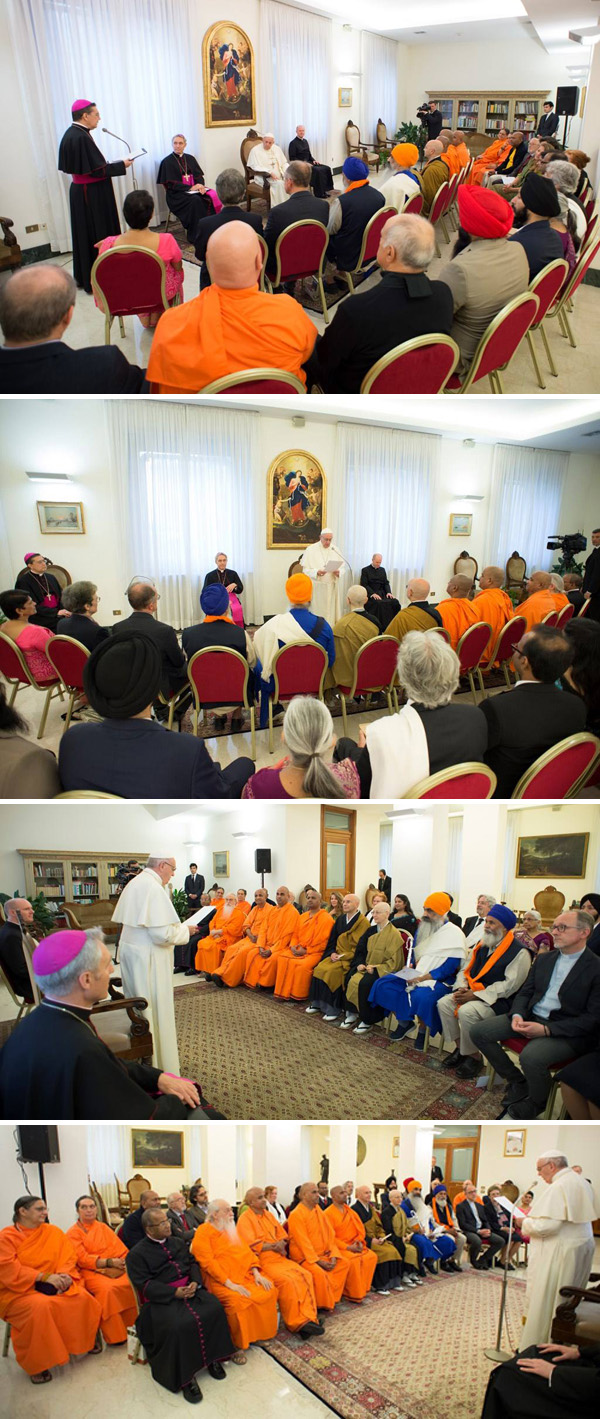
(467, 21)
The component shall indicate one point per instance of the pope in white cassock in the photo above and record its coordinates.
(151, 928)
(268, 157)
(562, 1243)
(326, 595)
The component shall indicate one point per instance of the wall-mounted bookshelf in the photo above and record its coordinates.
(480, 116)
(85, 882)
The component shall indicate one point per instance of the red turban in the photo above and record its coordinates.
(484, 213)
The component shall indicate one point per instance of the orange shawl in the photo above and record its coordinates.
(475, 982)
(222, 331)
(436, 1216)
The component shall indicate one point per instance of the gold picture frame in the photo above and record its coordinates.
(61, 519)
(157, 1148)
(229, 74)
(514, 1142)
(344, 98)
(461, 524)
(296, 500)
(550, 855)
(220, 864)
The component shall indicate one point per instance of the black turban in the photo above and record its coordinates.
(123, 675)
(594, 900)
(539, 195)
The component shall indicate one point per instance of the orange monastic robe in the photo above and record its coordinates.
(233, 964)
(115, 1293)
(495, 607)
(247, 907)
(275, 935)
(295, 1290)
(488, 160)
(458, 613)
(536, 607)
(221, 332)
(292, 981)
(252, 1317)
(560, 600)
(311, 1237)
(45, 1330)
(347, 1227)
(456, 158)
(211, 950)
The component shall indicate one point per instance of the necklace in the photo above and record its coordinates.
(51, 1005)
(40, 576)
(182, 163)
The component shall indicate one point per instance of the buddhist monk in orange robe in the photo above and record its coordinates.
(274, 937)
(492, 605)
(233, 965)
(242, 901)
(458, 613)
(226, 926)
(100, 1257)
(313, 1245)
(539, 601)
(231, 1271)
(457, 154)
(296, 964)
(350, 1236)
(264, 1235)
(46, 1329)
(231, 325)
(489, 160)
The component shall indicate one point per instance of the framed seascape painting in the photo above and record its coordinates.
(296, 500)
(157, 1148)
(229, 77)
(56, 518)
(220, 864)
(558, 855)
(461, 524)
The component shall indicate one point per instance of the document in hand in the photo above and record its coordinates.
(408, 973)
(198, 916)
(332, 565)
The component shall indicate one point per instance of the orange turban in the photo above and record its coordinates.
(438, 902)
(405, 155)
(298, 589)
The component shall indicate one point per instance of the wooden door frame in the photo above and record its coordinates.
(460, 1141)
(346, 836)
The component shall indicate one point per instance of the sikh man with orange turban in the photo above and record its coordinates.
(405, 181)
(297, 626)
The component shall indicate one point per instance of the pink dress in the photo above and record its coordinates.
(168, 250)
(32, 640)
(266, 783)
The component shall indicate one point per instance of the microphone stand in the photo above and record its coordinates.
(128, 147)
(497, 1353)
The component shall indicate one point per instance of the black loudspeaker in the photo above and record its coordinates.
(567, 100)
(262, 859)
(39, 1143)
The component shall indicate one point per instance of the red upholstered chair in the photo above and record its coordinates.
(220, 676)
(374, 671)
(441, 631)
(460, 781)
(414, 206)
(256, 381)
(559, 772)
(129, 281)
(509, 637)
(584, 609)
(15, 669)
(453, 186)
(546, 287)
(560, 311)
(470, 650)
(550, 620)
(420, 366)
(67, 657)
(436, 213)
(297, 670)
(299, 252)
(564, 616)
(590, 233)
(498, 345)
(515, 1044)
(370, 242)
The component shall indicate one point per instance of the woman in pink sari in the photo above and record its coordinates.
(18, 606)
(138, 210)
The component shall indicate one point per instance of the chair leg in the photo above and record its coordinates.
(344, 715)
(553, 369)
(472, 684)
(14, 693)
(534, 361)
(506, 674)
(171, 712)
(491, 1077)
(196, 721)
(252, 734)
(480, 678)
(570, 335)
(107, 325)
(122, 327)
(388, 697)
(444, 229)
(270, 725)
(499, 384)
(69, 709)
(395, 698)
(426, 1041)
(323, 300)
(47, 700)
(6, 1340)
(348, 275)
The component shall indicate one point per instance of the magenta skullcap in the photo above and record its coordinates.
(79, 104)
(56, 951)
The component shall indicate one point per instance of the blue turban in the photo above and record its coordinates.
(504, 915)
(214, 600)
(441, 1187)
(355, 170)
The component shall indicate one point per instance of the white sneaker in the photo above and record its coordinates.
(312, 1010)
(409, 1281)
(418, 1280)
(381, 1293)
(348, 1022)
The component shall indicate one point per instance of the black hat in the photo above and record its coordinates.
(539, 195)
(122, 676)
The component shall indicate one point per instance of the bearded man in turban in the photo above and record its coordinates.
(405, 181)
(298, 626)
(496, 970)
(535, 205)
(439, 950)
(486, 271)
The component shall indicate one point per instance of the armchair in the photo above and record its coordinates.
(257, 183)
(577, 1318)
(369, 152)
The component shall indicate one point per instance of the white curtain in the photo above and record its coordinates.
(134, 58)
(109, 1152)
(386, 483)
(453, 861)
(510, 856)
(527, 492)
(185, 481)
(295, 76)
(379, 85)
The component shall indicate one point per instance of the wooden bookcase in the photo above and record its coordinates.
(480, 115)
(83, 881)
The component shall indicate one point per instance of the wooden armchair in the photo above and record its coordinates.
(23, 1006)
(257, 183)
(369, 152)
(381, 137)
(516, 568)
(135, 1187)
(466, 565)
(123, 1206)
(126, 1030)
(577, 1318)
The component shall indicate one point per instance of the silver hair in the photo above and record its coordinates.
(308, 733)
(428, 669)
(64, 981)
(532, 912)
(78, 595)
(487, 897)
(557, 582)
(215, 1206)
(564, 175)
(230, 186)
(553, 1156)
(413, 240)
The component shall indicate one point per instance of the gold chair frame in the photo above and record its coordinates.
(569, 743)
(70, 640)
(220, 386)
(308, 222)
(418, 343)
(494, 375)
(47, 690)
(476, 669)
(553, 266)
(248, 704)
(386, 212)
(445, 775)
(390, 690)
(99, 293)
(274, 695)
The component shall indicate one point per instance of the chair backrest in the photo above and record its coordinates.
(12, 661)
(516, 568)
(300, 250)
(299, 670)
(67, 657)
(438, 206)
(441, 631)
(546, 286)
(219, 674)
(451, 193)
(29, 944)
(473, 645)
(549, 903)
(565, 615)
(584, 609)
(550, 620)
(503, 337)
(375, 665)
(250, 141)
(380, 132)
(465, 780)
(592, 224)
(352, 135)
(257, 381)
(63, 577)
(265, 257)
(556, 773)
(5, 981)
(372, 235)
(510, 636)
(129, 280)
(584, 261)
(414, 205)
(420, 366)
(135, 1187)
(466, 565)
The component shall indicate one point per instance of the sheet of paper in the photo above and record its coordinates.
(198, 916)
(332, 565)
(408, 973)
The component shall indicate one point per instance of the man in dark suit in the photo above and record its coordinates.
(534, 715)
(183, 1222)
(591, 577)
(194, 886)
(556, 1012)
(548, 123)
(11, 946)
(321, 177)
(403, 305)
(36, 307)
(590, 903)
(231, 189)
(573, 583)
(131, 1229)
(472, 1220)
(382, 604)
(432, 118)
(384, 884)
(350, 214)
(475, 923)
(218, 629)
(143, 598)
(301, 206)
(324, 1198)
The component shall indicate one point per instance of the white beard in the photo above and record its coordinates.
(425, 931)
(422, 1211)
(492, 938)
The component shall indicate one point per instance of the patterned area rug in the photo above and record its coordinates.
(256, 1058)
(370, 1361)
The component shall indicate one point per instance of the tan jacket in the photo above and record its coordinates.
(26, 770)
(483, 279)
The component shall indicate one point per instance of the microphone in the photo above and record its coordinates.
(119, 140)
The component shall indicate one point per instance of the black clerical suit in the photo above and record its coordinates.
(548, 125)
(13, 959)
(522, 724)
(577, 598)
(398, 308)
(321, 177)
(83, 629)
(301, 206)
(386, 887)
(38, 587)
(54, 368)
(180, 1336)
(375, 581)
(208, 225)
(91, 198)
(126, 756)
(174, 664)
(591, 583)
(226, 578)
(189, 207)
(574, 1387)
(193, 888)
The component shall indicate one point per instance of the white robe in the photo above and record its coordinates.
(151, 927)
(399, 189)
(398, 752)
(273, 161)
(561, 1251)
(326, 595)
(283, 628)
(447, 941)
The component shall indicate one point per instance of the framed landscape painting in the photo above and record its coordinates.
(229, 77)
(220, 864)
(296, 500)
(56, 518)
(557, 855)
(157, 1148)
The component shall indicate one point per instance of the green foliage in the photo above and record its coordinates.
(41, 912)
(180, 902)
(562, 565)
(410, 133)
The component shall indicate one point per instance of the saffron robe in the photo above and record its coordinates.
(456, 158)
(223, 331)
(119, 1310)
(486, 162)
(311, 1237)
(494, 606)
(179, 1336)
(294, 1285)
(348, 1228)
(457, 613)
(384, 950)
(349, 634)
(211, 950)
(233, 964)
(45, 1330)
(560, 600)
(535, 607)
(293, 976)
(151, 927)
(333, 973)
(413, 618)
(252, 1317)
(275, 935)
(561, 1250)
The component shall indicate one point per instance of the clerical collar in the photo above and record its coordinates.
(76, 1010)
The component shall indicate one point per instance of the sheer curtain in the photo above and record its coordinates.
(379, 85)
(295, 75)
(387, 482)
(133, 57)
(453, 861)
(109, 1152)
(185, 481)
(527, 493)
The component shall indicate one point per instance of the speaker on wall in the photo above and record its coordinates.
(262, 859)
(38, 1143)
(567, 100)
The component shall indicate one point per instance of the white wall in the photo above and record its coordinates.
(561, 819)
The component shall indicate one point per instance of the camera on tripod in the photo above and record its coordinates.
(570, 545)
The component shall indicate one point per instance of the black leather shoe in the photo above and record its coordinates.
(469, 1069)
(217, 980)
(192, 972)
(312, 1328)
(216, 1370)
(192, 1392)
(453, 1059)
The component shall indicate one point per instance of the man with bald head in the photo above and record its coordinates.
(433, 173)
(321, 176)
(456, 156)
(143, 597)
(230, 326)
(539, 600)
(382, 603)
(17, 910)
(492, 604)
(297, 962)
(458, 612)
(327, 985)
(350, 1236)
(352, 631)
(274, 936)
(261, 1232)
(418, 615)
(533, 715)
(313, 1245)
(36, 309)
(233, 965)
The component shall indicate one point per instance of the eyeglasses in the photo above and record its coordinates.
(557, 929)
(516, 650)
